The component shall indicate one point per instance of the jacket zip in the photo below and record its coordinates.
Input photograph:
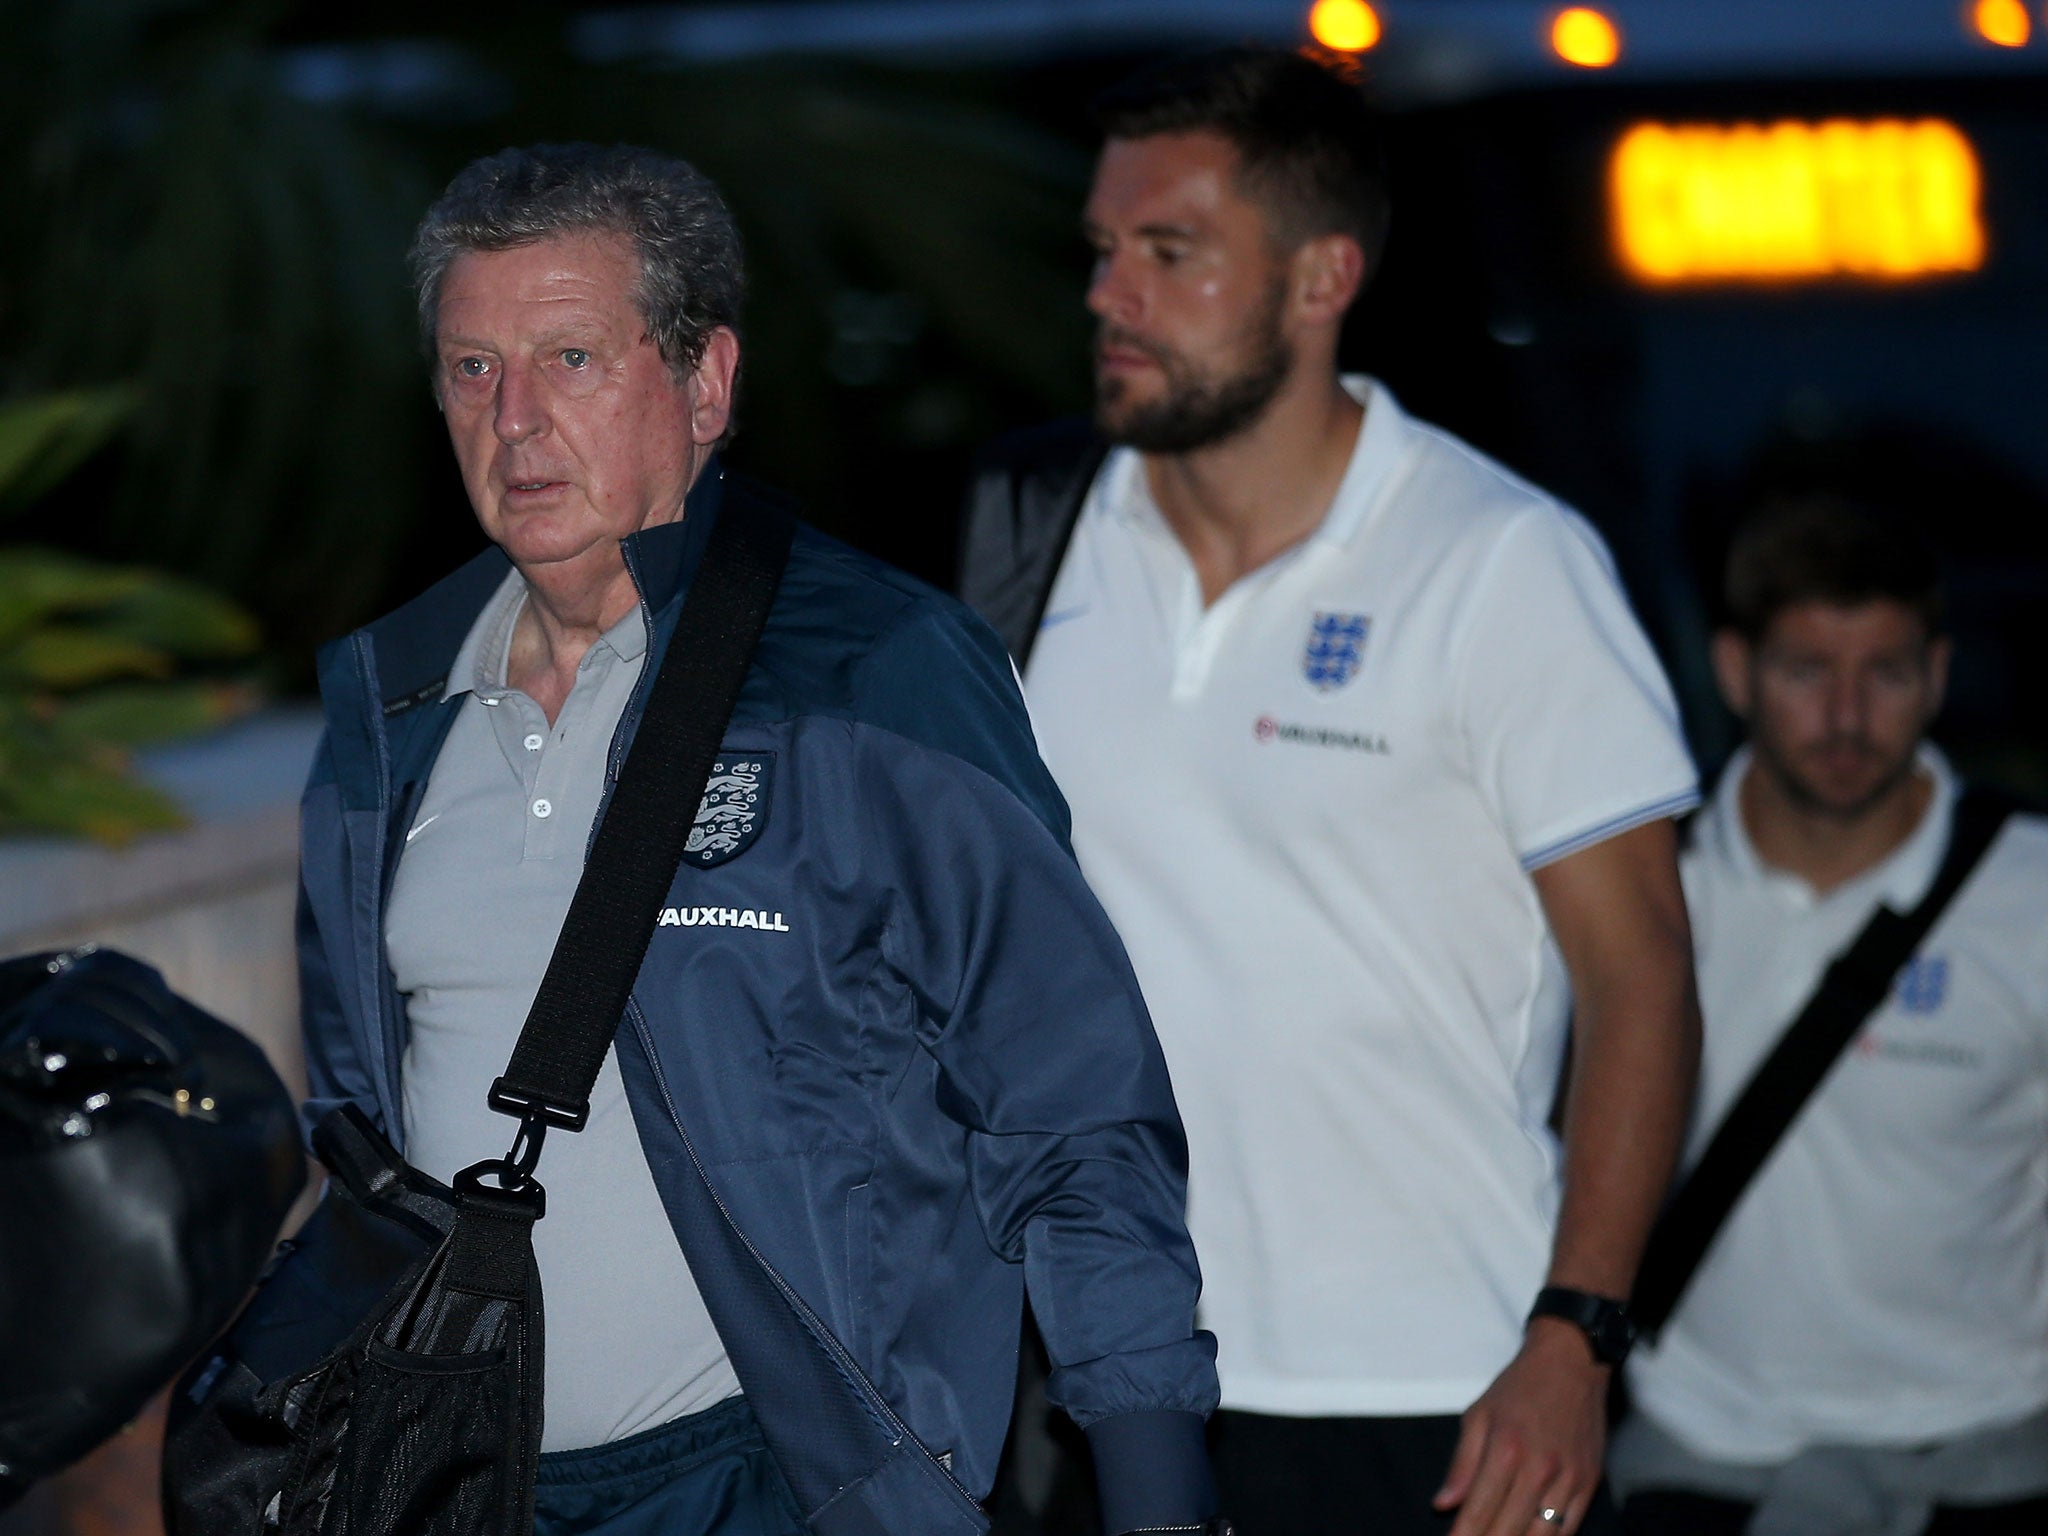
(826, 1339)
(872, 1399)
(392, 1053)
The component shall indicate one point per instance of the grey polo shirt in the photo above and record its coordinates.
(483, 885)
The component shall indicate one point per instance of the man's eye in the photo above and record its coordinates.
(575, 357)
(472, 367)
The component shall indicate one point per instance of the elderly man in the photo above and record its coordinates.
(1375, 773)
(916, 1068)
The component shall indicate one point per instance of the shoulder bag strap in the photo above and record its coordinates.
(646, 825)
(1855, 983)
(1022, 506)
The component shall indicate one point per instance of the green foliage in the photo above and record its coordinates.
(185, 221)
(44, 439)
(215, 198)
(88, 651)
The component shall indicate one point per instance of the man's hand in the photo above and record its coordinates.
(1533, 1441)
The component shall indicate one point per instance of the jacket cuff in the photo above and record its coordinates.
(1152, 1470)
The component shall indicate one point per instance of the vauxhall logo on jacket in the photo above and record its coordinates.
(722, 917)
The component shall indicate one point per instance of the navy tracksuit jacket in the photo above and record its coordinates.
(903, 1036)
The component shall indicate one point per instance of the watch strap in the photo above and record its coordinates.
(1604, 1320)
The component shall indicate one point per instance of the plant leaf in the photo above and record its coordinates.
(186, 620)
(67, 656)
(78, 796)
(45, 437)
(35, 583)
(136, 714)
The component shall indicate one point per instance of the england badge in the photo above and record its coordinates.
(733, 810)
(1923, 984)
(1335, 649)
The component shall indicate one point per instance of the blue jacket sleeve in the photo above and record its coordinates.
(335, 1073)
(1077, 1162)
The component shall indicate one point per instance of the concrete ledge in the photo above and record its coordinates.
(241, 787)
(212, 905)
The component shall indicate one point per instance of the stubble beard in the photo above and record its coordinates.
(1196, 412)
(1810, 799)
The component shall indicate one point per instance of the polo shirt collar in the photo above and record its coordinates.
(1900, 880)
(479, 666)
(660, 559)
(1382, 438)
(414, 645)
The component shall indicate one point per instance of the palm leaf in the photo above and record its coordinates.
(183, 619)
(81, 796)
(45, 438)
(66, 656)
(36, 584)
(135, 715)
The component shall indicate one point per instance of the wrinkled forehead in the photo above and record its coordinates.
(598, 272)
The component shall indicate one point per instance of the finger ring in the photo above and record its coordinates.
(1550, 1516)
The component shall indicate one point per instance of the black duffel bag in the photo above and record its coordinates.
(148, 1155)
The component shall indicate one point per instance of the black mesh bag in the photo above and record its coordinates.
(148, 1155)
(386, 1381)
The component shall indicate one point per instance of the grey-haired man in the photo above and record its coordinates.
(915, 1064)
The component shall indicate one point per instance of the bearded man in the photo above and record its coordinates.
(1375, 774)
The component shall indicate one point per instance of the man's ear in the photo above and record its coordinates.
(1731, 654)
(711, 386)
(1939, 649)
(1329, 271)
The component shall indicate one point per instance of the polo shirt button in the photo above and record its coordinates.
(542, 809)
(535, 742)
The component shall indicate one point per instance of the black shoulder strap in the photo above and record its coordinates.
(646, 825)
(1855, 983)
(1022, 505)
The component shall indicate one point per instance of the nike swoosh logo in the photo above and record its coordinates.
(1062, 616)
(416, 831)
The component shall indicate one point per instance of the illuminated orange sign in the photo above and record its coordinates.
(1883, 199)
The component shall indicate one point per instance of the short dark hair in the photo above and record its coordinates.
(1310, 148)
(692, 274)
(1827, 549)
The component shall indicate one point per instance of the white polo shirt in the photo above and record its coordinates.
(1884, 1281)
(1312, 810)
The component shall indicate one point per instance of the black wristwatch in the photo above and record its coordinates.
(1605, 1322)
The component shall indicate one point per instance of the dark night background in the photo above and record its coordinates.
(207, 202)
(211, 202)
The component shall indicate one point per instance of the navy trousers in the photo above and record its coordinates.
(1334, 1477)
(708, 1474)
